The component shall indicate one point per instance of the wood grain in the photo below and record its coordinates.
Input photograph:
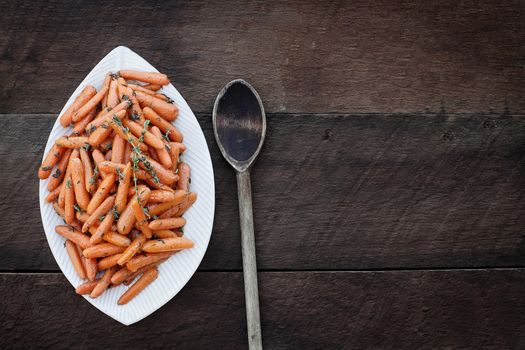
(459, 309)
(302, 56)
(332, 192)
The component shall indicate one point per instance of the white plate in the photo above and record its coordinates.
(176, 272)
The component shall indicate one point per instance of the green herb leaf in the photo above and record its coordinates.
(86, 147)
(102, 217)
(46, 168)
(77, 208)
(68, 184)
(166, 135)
(57, 174)
(115, 213)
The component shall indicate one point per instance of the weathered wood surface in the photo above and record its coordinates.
(302, 56)
(482, 309)
(331, 192)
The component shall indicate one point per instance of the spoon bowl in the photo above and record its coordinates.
(239, 123)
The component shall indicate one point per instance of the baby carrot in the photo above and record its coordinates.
(91, 268)
(161, 196)
(174, 155)
(162, 153)
(60, 171)
(69, 201)
(162, 224)
(85, 95)
(73, 235)
(116, 239)
(164, 234)
(54, 194)
(93, 101)
(142, 220)
(166, 127)
(192, 197)
(89, 180)
(104, 227)
(101, 193)
(146, 279)
(180, 196)
(108, 261)
(80, 126)
(113, 97)
(49, 161)
(165, 176)
(61, 196)
(102, 250)
(123, 187)
(98, 212)
(139, 261)
(71, 141)
(86, 288)
(152, 87)
(75, 259)
(103, 283)
(166, 244)
(79, 185)
(141, 89)
(166, 110)
(184, 177)
(119, 146)
(127, 218)
(147, 77)
(127, 153)
(149, 138)
(132, 249)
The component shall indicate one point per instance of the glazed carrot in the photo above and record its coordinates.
(123, 187)
(69, 201)
(99, 135)
(157, 209)
(104, 227)
(136, 87)
(73, 235)
(164, 234)
(117, 125)
(118, 149)
(103, 283)
(79, 185)
(85, 95)
(92, 102)
(99, 211)
(116, 239)
(108, 261)
(82, 216)
(71, 141)
(113, 97)
(165, 176)
(120, 276)
(54, 194)
(180, 146)
(162, 224)
(162, 153)
(61, 196)
(166, 244)
(80, 126)
(101, 193)
(174, 155)
(49, 161)
(106, 117)
(146, 279)
(127, 218)
(184, 177)
(110, 167)
(139, 261)
(127, 153)
(166, 110)
(132, 249)
(136, 110)
(60, 171)
(192, 197)
(89, 179)
(86, 288)
(166, 127)
(152, 87)
(149, 138)
(142, 220)
(147, 77)
(75, 259)
(152, 153)
(102, 250)
(91, 268)
(161, 196)
(98, 157)
(158, 185)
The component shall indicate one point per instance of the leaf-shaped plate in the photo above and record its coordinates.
(174, 273)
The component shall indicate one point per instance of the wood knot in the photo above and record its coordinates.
(449, 136)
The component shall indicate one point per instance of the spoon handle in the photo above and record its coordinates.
(249, 264)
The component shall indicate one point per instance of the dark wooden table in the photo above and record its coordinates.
(389, 196)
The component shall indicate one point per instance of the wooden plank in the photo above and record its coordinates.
(333, 192)
(458, 309)
(302, 56)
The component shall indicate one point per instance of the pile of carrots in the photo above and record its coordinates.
(119, 183)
